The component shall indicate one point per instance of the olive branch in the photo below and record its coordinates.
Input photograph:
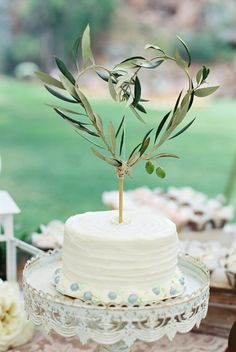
(125, 86)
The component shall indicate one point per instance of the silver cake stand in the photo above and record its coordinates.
(113, 328)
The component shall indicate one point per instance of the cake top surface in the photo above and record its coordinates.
(104, 224)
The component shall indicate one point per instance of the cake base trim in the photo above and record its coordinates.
(121, 296)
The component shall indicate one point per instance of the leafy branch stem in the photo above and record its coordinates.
(125, 85)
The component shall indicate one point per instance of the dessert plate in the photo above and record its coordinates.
(113, 325)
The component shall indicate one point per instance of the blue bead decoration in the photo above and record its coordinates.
(88, 295)
(132, 298)
(112, 295)
(57, 271)
(57, 279)
(74, 287)
(173, 291)
(156, 290)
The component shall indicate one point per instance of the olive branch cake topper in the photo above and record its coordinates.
(125, 86)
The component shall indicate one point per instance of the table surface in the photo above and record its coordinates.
(182, 343)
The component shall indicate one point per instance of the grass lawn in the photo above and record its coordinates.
(51, 173)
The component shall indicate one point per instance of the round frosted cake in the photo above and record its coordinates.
(130, 263)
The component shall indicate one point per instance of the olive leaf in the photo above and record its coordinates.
(137, 91)
(78, 124)
(133, 158)
(181, 112)
(186, 48)
(146, 135)
(120, 125)
(75, 51)
(112, 136)
(136, 114)
(110, 161)
(113, 162)
(150, 64)
(62, 67)
(176, 119)
(179, 60)
(183, 129)
(60, 96)
(186, 99)
(44, 77)
(69, 87)
(86, 48)
(134, 150)
(140, 108)
(105, 75)
(62, 108)
(203, 92)
(131, 62)
(70, 119)
(144, 146)
(205, 73)
(199, 76)
(163, 155)
(161, 125)
(98, 154)
(98, 122)
(112, 89)
(153, 46)
(165, 135)
(85, 104)
(122, 141)
(177, 101)
(191, 100)
(145, 142)
(139, 61)
(89, 140)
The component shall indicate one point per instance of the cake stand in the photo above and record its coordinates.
(114, 328)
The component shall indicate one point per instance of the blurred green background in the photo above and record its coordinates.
(46, 167)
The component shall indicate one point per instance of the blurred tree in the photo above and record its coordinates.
(5, 29)
(207, 47)
(50, 27)
(208, 26)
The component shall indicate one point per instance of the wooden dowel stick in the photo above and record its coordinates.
(121, 190)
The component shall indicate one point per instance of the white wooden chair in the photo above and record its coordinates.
(8, 209)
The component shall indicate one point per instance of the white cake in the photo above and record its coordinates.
(130, 263)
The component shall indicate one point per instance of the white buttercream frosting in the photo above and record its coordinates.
(128, 262)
